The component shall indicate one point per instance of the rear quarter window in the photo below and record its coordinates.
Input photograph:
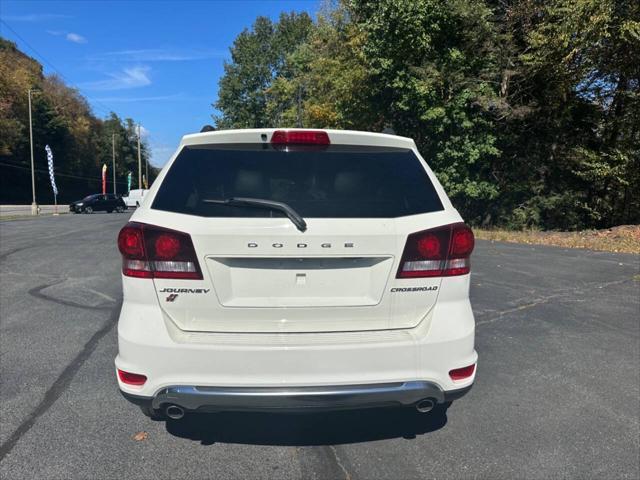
(339, 181)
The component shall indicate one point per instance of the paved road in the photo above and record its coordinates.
(556, 394)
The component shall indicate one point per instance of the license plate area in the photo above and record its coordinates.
(278, 282)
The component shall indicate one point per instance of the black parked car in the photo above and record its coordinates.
(99, 202)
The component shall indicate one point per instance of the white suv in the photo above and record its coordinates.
(295, 269)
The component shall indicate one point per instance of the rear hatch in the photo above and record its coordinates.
(261, 273)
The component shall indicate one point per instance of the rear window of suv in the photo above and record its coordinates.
(338, 181)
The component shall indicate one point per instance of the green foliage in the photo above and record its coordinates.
(258, 57)
(527, 110)
(431, 82)
(62, 118)
(570, 110)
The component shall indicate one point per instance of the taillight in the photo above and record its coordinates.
(462, 373)
(439, 252)
(300, 137)
(131, 378)
(155, 252)
(130, 242)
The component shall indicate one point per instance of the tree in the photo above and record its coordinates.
(258, 56)
(527, 110)
(570, 112)
(431, 78)
(62, 119)
(326, 88)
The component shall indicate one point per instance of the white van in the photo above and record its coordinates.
(135, 197)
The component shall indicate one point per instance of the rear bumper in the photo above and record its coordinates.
(341, 397)
(334, 370)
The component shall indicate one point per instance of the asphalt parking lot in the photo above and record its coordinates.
(557, 392)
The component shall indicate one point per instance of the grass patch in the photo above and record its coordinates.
(622, 239)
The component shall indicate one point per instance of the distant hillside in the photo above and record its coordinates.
(62, 119)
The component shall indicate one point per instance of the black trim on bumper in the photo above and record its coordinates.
(136, 399)
(451, 395)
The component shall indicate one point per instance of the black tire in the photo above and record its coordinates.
(88, 210)
(109, 211)
(151, 413)
(119, 209)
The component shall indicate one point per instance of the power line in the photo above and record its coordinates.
(57, 174)
(106, 110)
(58, 170)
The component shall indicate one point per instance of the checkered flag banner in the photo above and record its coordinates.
(50, 162)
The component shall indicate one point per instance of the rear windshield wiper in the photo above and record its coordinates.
(294, 216)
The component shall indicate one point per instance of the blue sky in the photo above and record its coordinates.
(158, 62)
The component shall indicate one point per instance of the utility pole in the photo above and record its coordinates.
(299, 109)
(113, 160)
(146, 170)
(139, 161)
(34, 205)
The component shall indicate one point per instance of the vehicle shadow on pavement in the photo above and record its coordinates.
(307, 429)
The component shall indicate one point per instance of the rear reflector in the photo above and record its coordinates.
(155, 252)
(300, 137)
(131, 378)
(439, 252)
(462, 373)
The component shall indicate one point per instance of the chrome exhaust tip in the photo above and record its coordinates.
(174, 412)
(425, 406)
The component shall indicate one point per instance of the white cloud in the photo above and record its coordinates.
(161, 55)
(75, 38)
(127, 78)
(72, 37)
(34, 17)
(158, 98)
